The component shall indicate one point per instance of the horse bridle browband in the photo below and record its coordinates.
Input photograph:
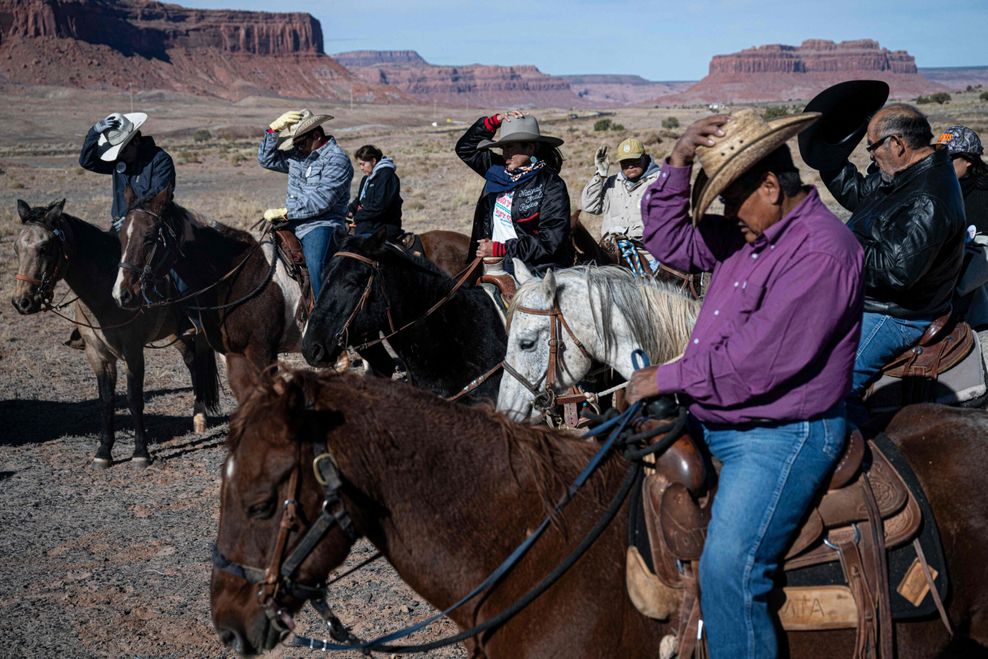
(545, 398)
(277, 577)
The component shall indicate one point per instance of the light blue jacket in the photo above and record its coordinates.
(318, 184)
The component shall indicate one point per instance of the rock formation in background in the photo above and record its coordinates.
(475, 85)
(143, 45)
(618, 90)
(781, 73)
(957, 78)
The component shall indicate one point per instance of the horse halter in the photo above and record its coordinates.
(277, 577)
(165, 237)
(342, 335)
(46, 285)
(545, 398)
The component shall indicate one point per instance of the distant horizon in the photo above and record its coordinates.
(672, 43)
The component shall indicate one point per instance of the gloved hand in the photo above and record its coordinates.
(111, 121)
(600, 160)
(273, 214)
(284, 121)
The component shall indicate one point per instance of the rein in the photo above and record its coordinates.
(277, 576)
(342, 335)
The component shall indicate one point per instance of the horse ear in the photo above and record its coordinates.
(54, 211)
(549, 284)
(130, 198)
(522, 273)
(23, 210)
(162, 199)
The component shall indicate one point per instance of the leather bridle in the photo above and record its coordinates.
(278, 578)
(545, 397)
(46, 285)
(167, 239)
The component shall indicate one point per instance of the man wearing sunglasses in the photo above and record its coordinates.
(908, 215)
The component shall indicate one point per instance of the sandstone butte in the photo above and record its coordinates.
(143, 45)
(779, 73)
(469, 85)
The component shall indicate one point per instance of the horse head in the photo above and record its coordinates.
(283, 521)
(149, 246)
(544, 357)
(352, 305)
(42, 254)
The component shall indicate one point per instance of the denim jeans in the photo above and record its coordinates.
(770, 475)
(882, 338)
(318, 245)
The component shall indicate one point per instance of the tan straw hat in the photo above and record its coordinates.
(747, 139)
(113, 140)
(308, 122)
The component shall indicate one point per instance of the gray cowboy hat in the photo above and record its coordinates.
(845, 109)
(519, 129)
(113, 140)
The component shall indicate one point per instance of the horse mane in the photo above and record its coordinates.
(174, 211)
(547, 456)
(660, 315)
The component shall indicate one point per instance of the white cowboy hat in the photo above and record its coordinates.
(747, 139)
(113, 140)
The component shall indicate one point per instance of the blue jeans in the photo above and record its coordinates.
(770, 475)
(317, 246)
(882, 338)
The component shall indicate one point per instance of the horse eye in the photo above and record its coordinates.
(261, 510)
(526, 344)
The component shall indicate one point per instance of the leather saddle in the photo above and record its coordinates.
(411, 244)
(943, 345)
(865, 510)
(290, 253)
(495, 274)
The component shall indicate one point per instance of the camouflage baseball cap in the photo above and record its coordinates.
(961, 139)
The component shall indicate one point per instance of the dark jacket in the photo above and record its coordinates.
(975, 191)
(540, 210)
(151, 172)
(912, 231)
(380, 204)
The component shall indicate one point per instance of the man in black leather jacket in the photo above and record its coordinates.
(908, 214)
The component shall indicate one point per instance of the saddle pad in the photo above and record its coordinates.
(900, 559)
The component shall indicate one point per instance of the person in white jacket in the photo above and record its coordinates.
(618, 197)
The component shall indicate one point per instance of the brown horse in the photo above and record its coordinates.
(446, 492)
(54, 245)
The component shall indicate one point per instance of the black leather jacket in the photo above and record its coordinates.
(540, 213)
(912, 231)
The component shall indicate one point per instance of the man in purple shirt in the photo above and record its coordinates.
(770, 358)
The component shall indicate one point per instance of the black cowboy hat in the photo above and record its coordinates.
(847, 107)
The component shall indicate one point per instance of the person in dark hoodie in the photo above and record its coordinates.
(378, 201)
(965, 149)
(115, 146)
(524, 210)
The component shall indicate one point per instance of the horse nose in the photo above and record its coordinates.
(126, 298)
(316, 354)
(22, 304)
(232, 639)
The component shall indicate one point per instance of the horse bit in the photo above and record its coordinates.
(277, 577)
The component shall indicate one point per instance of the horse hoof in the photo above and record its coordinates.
(101, 463)
(140, 461)
(199, 423)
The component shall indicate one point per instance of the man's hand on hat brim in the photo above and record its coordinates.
(699, 133)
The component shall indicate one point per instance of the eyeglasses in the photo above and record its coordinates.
(874, 145)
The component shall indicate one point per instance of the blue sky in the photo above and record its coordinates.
(657, 40)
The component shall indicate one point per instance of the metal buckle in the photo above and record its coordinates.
(318, 471)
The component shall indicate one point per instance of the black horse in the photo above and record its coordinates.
(383, 289)
(53, 246)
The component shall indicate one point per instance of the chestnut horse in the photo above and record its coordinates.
(446, 492)
(53, 246)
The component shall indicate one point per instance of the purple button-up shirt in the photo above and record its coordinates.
(779, 327)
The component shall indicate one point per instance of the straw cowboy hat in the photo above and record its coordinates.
(747, 139)
(308, 122)
(846, 109)
(113, 140)
(520, 129)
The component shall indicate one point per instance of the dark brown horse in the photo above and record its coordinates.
(446, 492)
(54, 245)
